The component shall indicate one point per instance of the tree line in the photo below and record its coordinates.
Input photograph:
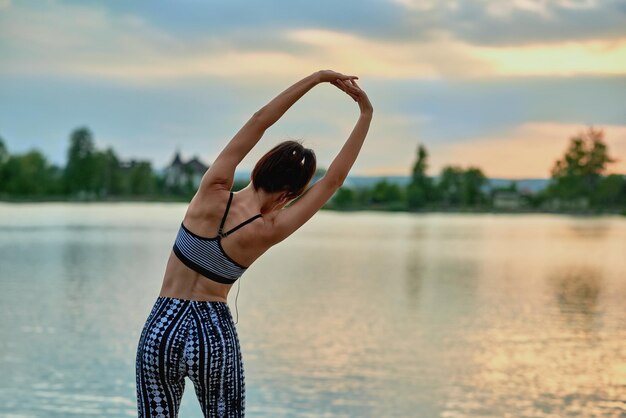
(89, 173)
(578, 181)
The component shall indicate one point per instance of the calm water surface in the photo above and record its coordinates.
(355, 315)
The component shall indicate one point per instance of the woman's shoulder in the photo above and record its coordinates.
(207, 204)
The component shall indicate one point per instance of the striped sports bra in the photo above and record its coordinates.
(206, 255)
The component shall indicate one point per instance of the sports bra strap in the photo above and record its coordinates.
(230, 198)
(247, 221)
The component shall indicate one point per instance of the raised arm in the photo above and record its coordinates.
(343, 162)
(295, 215)
(222, 171)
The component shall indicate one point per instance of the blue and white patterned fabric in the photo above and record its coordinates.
(195, 339)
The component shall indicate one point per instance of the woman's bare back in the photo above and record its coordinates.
(203, 217)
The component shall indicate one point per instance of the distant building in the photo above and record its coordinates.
(577, 203)
(507, 200)
(132, 163)
(180, 174)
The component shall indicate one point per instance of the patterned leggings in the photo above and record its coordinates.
(196, 339)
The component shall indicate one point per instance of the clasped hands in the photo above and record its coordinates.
(347, 84)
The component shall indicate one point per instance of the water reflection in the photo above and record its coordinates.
(416, 263)
(415, 270)
(366, 314)
(588, 228)
(525, 358)
(577, 290)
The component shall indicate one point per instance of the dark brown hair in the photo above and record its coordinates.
(288, 167)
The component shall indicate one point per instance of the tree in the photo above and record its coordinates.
(4, 153)
(80, 171)
(580, 170)
(385, 192)
(450, 185)
(611, 192)
(472, 182)
(344, 198)
(4, 156)
(420, 189)
(107, 173)
(142, 180)
(29, 174)
(458, 187)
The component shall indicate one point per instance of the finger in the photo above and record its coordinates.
(339, 85)
(343, 85)
(349, 86)
(355, 85)
(350, 92)
(352, 83)
(344, 88)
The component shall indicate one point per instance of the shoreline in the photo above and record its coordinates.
(395, 209)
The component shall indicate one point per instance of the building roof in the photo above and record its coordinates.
(177, 161)
(195, 165)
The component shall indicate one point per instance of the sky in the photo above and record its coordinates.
(497, 84)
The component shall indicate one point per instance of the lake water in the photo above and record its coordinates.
(355, 315)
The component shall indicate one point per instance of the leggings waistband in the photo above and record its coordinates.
(169, 298)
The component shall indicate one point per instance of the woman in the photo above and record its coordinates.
(190, 331)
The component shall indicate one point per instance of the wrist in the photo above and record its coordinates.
(317, 77)
(367, 114)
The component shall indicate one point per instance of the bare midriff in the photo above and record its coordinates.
(182, 282)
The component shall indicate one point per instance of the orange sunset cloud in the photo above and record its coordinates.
(525, 151)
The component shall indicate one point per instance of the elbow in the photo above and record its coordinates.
(258, 115)
(335, 182)
(260, 119)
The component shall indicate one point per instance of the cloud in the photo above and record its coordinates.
(525, 151)
(563, 59)
(443, 56)
(389, 148)
(438, 71)
(472, 108)
(518, 22)
(90, 41)
(439, 57)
